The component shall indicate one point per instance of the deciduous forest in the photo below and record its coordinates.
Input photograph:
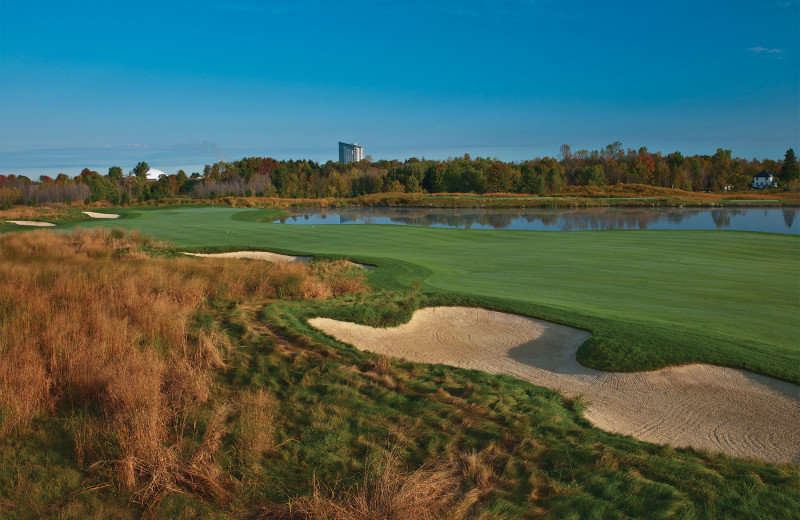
(258, 176)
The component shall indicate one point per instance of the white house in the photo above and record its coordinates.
(764, 180)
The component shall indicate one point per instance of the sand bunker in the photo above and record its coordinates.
(100, 215)
(700, 406)
(256, 255)
(266, 255)
(30, 223)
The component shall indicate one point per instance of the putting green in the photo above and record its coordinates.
(650, 298)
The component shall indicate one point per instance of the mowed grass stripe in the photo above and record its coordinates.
(651, 297)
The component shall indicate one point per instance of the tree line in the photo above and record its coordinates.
(259, 176)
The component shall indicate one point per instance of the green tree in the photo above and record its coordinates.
(140, 170)
(790, 170)
(532, 180)
(434, 179)
(115, 173)
(592, 176)
(473, 180)
(412, 184)
(555, 179)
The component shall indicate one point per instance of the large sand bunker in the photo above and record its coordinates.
(266, 255)
(700, 406)
(30, 223)
(94, 214)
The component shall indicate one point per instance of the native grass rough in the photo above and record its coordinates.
(89, 321)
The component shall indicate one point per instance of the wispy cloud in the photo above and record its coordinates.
(767, 50)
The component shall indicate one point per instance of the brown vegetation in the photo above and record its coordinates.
(644, 190)
(91, 322)
(390, 492)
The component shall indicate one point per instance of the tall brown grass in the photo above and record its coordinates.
(256, 434)
(90, 322)
(434, 491)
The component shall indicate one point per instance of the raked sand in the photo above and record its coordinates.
(94, 214)
(30, 223)
(698, 405)
(266, 255)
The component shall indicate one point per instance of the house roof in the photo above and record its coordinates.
(764, 173)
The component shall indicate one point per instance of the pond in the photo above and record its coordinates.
(773, 220)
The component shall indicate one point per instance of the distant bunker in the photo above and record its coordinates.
(95, 214)
(30, 223)
(267, 256)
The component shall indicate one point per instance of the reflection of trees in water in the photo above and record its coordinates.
(603, 219)
(562, 220)
(788, 217)
(493, 220)
(547, 218)
(722, 217)
(676, 217)
(544, 219)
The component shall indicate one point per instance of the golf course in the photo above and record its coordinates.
(437, 373)
(650, 298)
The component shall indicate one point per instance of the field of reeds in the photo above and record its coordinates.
(135, 382)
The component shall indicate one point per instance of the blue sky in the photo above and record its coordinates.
(182, 84)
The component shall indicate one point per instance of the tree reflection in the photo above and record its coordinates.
(559, 219)
(788, 217)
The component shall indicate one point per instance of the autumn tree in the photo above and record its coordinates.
(722, 168)
(500, 177)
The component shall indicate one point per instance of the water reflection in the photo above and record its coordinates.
(775, 220)
(788, 217)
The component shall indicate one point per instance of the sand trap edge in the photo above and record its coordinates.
(269, 257)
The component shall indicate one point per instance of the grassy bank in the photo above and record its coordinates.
(169, 387)
(650, 298)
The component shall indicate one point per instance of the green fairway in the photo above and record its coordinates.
(650, 298)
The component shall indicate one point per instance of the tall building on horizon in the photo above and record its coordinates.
(350, 152)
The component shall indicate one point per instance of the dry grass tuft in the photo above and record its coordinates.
(256, 429)
(431, 492)
(378, 364)
(212, 346)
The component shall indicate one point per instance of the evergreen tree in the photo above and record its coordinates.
(140, 170)
(790, 170)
